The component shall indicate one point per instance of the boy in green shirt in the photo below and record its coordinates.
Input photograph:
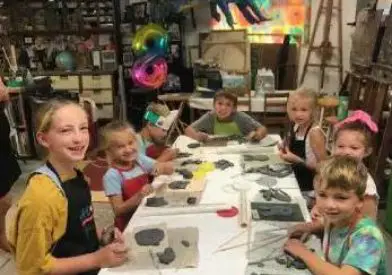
(225, 120)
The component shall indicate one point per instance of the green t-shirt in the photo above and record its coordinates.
(238, 123)
(363, 249)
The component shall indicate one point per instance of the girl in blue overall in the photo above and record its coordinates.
(305, 145)
(54, 230)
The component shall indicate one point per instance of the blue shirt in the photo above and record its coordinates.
(113, 180)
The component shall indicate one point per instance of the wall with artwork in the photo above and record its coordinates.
(287, 16)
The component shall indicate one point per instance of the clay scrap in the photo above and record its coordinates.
(156, 202)
(191, 161)
(223, 164)
(149, 237)
(261, 158)
(167, 256)
(183, 155)
(179, 184)
(185, 173)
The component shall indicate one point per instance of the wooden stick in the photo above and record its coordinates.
(247, 243)
(270, 242)
(243, 216)
(7, 58)
(232, 238)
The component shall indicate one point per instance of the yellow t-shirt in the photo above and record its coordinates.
(41, 220)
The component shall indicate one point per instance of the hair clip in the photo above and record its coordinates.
(360, 116)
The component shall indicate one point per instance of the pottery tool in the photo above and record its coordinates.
(232, 238)
(155, 264)
(199, 209)
(274, 240)
(270, 241)
(244, 213)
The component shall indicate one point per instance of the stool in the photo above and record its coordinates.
(327, 103)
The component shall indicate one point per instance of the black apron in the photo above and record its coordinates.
(302, 173)
(10, 170)
(81, 235)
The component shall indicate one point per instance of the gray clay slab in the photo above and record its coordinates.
(260, 249)
(150, 237)
(185, 257)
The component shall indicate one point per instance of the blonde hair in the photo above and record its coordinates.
(307, 93)
(44, 115)
(110, 128)
(159, 109)
(343, 172)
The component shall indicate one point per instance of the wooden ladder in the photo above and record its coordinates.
(326, 47)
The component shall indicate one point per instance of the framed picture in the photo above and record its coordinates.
(139, 13)
(175, 32)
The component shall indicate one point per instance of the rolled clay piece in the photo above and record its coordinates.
(193, 145)
(191, 200)
(183, 155)
(167, 256)
(185, 173)
(185, 243)
(148, 237)
(156, 202)
(180, 184)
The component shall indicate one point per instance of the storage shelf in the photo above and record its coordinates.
(61, 32)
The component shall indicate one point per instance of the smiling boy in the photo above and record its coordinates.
(225, 120)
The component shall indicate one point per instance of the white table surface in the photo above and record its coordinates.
(256, 103)
(214, 230)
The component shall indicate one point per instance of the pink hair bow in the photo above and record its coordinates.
(360, 116)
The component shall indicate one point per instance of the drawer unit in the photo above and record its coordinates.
(65, 82)
(99, 96)
(91, 82)
(105, 111)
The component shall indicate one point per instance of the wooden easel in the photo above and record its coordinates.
(326, 48)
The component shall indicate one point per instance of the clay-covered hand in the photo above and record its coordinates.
(118, 236)
(286, 155)
(299, 230)
(114, 254)
(146, 190)
(295, 247)
(202, 137)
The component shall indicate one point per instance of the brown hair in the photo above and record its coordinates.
(44, 115)
(227, 95)
(359, 127)
(109, 129)
(343, 172)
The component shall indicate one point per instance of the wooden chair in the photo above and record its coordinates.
(275, 113)
(173, 102)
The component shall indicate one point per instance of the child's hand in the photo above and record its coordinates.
(255, 136)
(202, 137)
(118, 236)
(295, 247)
(146, 190)
(299, 230)
(114, 254)
(288, 156)
(164, 168)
